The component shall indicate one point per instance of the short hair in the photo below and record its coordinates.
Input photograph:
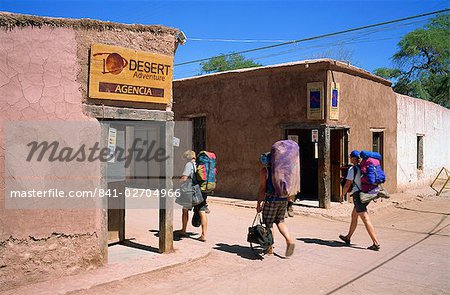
(189, 155)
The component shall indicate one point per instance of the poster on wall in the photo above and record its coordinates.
(315, 101)
(334, 101)
(112, 140)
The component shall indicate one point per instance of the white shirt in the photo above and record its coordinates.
(189, 169)
(357, 179)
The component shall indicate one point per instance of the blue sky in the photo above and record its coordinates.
(256, 21)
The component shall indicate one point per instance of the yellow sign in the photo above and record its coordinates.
(119, 73)
(315, 108)
(334, 101)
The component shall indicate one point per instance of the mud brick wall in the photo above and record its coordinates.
(246, 109)
(43, 77)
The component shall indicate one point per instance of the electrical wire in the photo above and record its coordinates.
(320, 36)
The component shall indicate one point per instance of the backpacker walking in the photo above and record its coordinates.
(189, 172)
(273, 197)
(353, 184)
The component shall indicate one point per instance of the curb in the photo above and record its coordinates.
(44, 286)
(163, 268)
(304, 211)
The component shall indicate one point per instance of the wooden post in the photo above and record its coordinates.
(166, 203)
(324, 168)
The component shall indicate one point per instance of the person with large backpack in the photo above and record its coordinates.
(189, 174)
(353, 184)
(277, 183)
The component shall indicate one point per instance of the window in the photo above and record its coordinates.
(378, 145)
(420, 152)
(199, 134)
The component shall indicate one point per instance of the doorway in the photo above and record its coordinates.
(134, 176)
(115, 175)
(338, 158)
(308, 163)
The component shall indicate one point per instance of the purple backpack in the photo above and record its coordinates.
(285, 168)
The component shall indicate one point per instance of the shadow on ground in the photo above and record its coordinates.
(242, 251)
(176, 235)
(131, 244)
(334, 244)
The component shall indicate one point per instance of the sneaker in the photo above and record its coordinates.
(344, 239)
(374, 247)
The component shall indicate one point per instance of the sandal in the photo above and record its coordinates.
(201, 239)
(290, 250)
(374, 247)
(345, 239)
(269, 250)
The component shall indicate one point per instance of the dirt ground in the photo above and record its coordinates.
(414, 256)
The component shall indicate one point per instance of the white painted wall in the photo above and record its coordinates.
(417, 116)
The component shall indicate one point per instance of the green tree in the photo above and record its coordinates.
(226, 63)
(422, 62)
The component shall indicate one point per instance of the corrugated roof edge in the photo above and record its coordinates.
(10, 21)
(333, 65)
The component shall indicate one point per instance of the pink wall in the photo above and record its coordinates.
(38, 82)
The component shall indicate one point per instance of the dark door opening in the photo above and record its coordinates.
(308, 164)
(199, 134)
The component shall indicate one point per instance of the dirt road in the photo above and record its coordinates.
(414, 257)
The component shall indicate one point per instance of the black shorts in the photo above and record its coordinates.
(203, 205)
(200, 207)
(360, 207)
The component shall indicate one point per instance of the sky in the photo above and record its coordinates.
(217, 27)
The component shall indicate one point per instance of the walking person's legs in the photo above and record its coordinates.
(184, 220)
(204, 221)
(282, 227)
(370, 230)
(290, 243)
(269, 250)
(268, 218)
(202, 208)
(352, 228)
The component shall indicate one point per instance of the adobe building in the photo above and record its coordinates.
(104, 74)
(327, 106)
(422, 141)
